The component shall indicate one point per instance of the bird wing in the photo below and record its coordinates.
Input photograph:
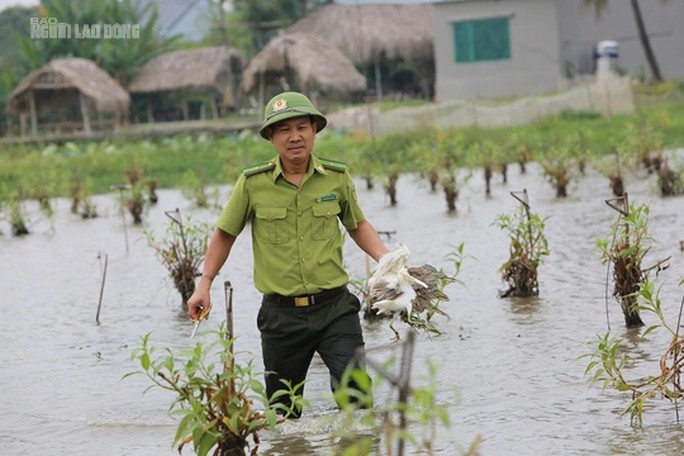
(387, 294)
(393, 260)
(396, 300)
(414, 282)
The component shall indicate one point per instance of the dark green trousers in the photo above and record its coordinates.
(291, 335)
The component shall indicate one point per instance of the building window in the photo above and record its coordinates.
(482, 39)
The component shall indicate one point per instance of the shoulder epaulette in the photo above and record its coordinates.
(258, 169)
(334, 165)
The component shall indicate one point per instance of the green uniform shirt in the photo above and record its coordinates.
(296, 237)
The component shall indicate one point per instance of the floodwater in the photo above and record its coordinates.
(508, 368)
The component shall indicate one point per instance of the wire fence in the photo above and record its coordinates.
(607, 96)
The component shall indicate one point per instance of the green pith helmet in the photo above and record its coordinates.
(288, 105)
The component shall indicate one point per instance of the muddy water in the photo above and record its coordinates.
(508, 368)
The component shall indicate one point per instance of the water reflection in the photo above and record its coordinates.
(665, 439)
(288, 445)
(523, 310)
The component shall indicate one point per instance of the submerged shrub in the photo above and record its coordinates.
(528, 247)
(182, 251)
(215, 397)
(624, 250)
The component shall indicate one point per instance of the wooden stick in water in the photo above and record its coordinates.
(230, 363)
(104, 277)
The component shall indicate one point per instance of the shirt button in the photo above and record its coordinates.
(301, 238)
(299, 213)
(302, 260)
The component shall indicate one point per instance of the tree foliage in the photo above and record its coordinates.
(14, 22)
(261, 20)
(121, 58)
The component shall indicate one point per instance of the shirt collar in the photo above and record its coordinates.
(313, 160)
(318, 164)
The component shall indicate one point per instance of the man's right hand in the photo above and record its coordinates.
(199, 301)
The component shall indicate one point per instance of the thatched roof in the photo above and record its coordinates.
(104, 93)
(314, 63)
(364, 32)
(201, 68)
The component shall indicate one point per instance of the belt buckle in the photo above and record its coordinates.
(301, 301)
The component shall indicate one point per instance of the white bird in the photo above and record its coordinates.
(389, 264)
(396, 294)
(391, 287)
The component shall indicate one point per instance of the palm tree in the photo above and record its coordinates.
(600, 5)
(121, 58)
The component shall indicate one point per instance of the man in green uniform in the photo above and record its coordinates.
(295, 203)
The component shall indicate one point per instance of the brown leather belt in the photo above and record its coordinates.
(304, 300)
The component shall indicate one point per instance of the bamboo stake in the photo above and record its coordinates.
(104, 277)
(526, 204)
(405, 388)
(401, 382)
(676, 350)
(229, 367)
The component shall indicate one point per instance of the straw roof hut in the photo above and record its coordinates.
(364, 32)
(370, 33)
(209, 71)
(304, 60)
(64, 82)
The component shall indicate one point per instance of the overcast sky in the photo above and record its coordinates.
(5, 3)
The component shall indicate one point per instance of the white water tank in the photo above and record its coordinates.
(606, 58)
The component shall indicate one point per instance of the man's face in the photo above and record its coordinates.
(293, 139)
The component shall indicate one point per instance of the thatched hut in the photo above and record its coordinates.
(62, 86)
(208, 73)
(370, 34)
(304, 61)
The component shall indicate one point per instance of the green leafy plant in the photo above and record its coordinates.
(81, 201)
(193, 188)
(528, 247)
(414, 422)
(137, 194)
(558, 165)
(607, 361)
(671, 177)
(489, 156)
(645, 141)
(12, 209)
(216, 398)
(182, 251)
(452, 183)
(614, 166)
(520, 149)
(624, 250)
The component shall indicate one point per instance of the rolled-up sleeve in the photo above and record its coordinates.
(236, 212)
(351, 213)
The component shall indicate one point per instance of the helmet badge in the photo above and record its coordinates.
(279, 104)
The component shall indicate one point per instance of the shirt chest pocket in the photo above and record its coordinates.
(270, 224)
(324, 224)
